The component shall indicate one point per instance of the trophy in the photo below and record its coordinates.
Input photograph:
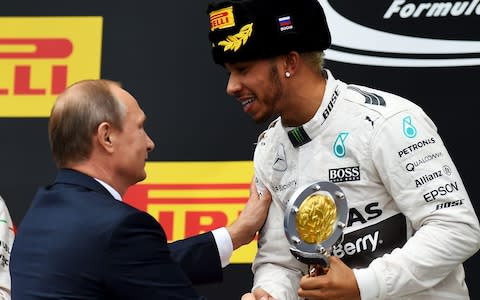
(315, 217)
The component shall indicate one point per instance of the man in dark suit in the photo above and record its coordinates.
(80, 241)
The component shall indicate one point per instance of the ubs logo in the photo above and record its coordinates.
(404, 33)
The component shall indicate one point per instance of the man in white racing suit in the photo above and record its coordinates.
(411, 223)
(6, 241)
(410, 219)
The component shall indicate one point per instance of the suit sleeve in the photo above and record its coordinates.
(199, 258)
(139, 264)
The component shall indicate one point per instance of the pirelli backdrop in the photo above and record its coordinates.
(427, 51)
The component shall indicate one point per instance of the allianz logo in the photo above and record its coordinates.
(358, 44)
(366, 243)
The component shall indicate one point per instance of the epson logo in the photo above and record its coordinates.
(441, 191)
(404, 33)
(344, 174)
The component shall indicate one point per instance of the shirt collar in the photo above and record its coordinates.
(110, 189)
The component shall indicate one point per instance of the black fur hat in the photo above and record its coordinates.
(243, 30)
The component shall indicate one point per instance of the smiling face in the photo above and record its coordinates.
(257, 86)
(132, 143)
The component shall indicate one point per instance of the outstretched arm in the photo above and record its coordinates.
(251, 219)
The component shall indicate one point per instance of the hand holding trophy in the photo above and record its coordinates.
(315, 217)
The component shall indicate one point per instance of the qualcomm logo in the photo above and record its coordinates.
(358, 44)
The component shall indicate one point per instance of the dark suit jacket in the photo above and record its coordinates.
(77, 242)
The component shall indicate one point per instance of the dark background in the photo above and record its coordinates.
(160, 52)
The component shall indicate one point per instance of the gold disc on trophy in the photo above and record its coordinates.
(315, 218)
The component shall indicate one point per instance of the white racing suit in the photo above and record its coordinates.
(411, 224)
(6, 241)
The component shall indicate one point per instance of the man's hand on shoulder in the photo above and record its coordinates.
(251, 219)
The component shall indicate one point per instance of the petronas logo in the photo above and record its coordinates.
(234, 42)
(408, 129)
(339, 145)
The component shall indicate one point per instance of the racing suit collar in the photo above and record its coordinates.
(303, 134)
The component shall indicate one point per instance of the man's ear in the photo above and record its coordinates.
(291, 62)
(105, 136)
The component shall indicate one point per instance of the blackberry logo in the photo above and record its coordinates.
(367, 243)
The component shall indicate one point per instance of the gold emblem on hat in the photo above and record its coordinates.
(234, 42)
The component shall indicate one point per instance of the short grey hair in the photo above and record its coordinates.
(76, 115)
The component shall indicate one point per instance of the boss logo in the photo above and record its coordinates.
(344, 174)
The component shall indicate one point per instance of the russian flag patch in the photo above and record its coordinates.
(285, 23)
